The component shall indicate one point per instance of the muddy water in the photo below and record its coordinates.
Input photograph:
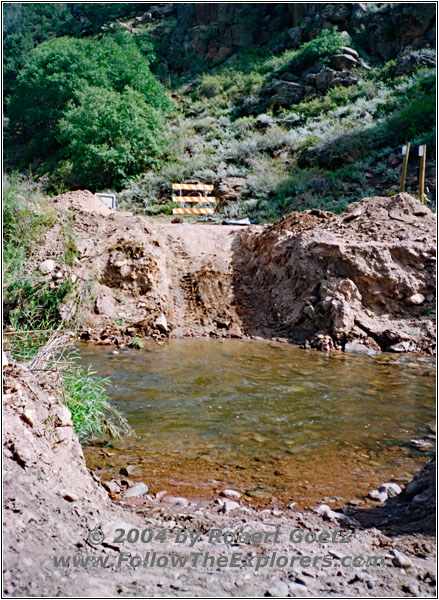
(277, 423)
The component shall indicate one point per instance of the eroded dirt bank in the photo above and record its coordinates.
(51, 503)
(362, 281)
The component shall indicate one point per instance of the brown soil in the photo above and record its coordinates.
(313, 277)
(52, 502)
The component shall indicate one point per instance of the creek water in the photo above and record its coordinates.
(278, 423)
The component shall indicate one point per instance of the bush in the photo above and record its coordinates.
(110, 136)
(55, 89)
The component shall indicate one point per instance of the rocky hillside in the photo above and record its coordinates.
(282, 106)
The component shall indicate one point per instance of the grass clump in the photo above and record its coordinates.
(93, 415)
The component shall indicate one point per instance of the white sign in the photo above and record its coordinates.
(404, 150)
(108, 199)
(421, 151)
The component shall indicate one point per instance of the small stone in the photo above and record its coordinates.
(229, 506)
(357, 347)
(69, 496)
(176, 500)
(160, 495)
(391, 489)
(111, 486)
(400, 347)
(376, 495)
(278, 589)
(400, 559)
(309, 311)
(127, 470)
(161, 323)
(415, 299)
(137, 491)
(343, 62)
(29, 417)
(5, 361)
(232, 494)
(47, 266)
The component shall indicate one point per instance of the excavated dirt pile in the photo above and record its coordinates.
(362, 281)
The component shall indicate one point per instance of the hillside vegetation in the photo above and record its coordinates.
(312, 116)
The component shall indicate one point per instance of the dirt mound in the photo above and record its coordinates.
(362, 281)
(83, 201)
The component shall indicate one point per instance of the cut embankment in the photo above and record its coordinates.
(362, 281)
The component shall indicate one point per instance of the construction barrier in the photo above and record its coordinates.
(200, 199)
(193, 211)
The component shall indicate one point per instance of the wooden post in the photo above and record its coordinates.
(405, 153)
(423, 155)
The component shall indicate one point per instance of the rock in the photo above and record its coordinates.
(350, 51)
(378, 496)
(69, 496)
(309, 311)
(5, 361)
(343, 62)
(47, 266)
(400, 347)
(160, 495)
(391, 489)
(357, 347)
(161, 323)
(330, 515)
(104, 305)
(278, 589)
(127, 470)
(283, 93)
(353, 211)
(111, 486)
(295, 35)
(422, 498)
(400, 559)
(29, 416)
(324, 78)
(232, 494)
(415, 299)
(137, 491)
(229, 506)
(177, 220)
(176, 500)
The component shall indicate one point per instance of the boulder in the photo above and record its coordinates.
(284, 93)
(47, 266)
(137, 491)
(295, 35)
(344, 62)
(161, 323)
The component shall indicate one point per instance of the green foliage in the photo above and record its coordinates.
(92, 414)
(29, 303)
(104, 87)
(321, 48)
(26, 219)
(110, 136)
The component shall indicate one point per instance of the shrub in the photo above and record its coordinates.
(110, 136)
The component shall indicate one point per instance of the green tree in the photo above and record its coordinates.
(52, 84)
(109, 136)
